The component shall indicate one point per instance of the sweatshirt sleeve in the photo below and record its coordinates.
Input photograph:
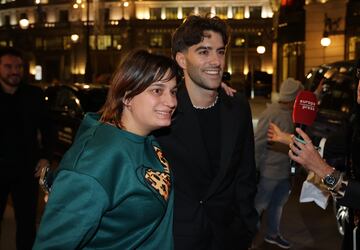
(73, 212)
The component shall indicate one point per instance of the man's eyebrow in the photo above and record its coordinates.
(203, 47)
(209, 48)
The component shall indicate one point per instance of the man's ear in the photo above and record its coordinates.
(180, 59)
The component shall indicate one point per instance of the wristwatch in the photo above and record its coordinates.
(331, 180)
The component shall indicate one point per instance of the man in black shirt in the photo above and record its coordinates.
(210, 146)
(24, 128)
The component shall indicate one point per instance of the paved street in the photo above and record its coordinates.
(306, 226)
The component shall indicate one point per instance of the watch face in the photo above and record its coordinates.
(329, 180)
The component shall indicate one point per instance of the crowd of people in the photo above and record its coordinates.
(169, 160)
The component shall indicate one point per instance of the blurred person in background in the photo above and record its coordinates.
(113, 188)
(22, 150)
(272, 160)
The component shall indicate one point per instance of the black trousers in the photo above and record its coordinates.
(23, 188)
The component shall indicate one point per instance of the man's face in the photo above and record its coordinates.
(203, 63)
(11, 70)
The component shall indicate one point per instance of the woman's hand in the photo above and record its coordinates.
(275, 134)
(307, 155)
(228, 90)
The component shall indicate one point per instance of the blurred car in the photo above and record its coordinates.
(262, 83)
(68, 105)
(336, 95)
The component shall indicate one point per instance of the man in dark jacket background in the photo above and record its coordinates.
(24, 128)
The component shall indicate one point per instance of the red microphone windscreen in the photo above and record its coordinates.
(305, 108)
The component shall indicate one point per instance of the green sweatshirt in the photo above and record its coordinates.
(113, 191)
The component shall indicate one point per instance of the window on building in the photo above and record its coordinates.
(238, 12)
(67, 42)
(255, 12)
(171, 13)
(53, 43)
(92, 42)
(221, 12)
(239, 42)
(187, 11)
(354, 47)
(293, 60)
(155, 13)
(204, 10)
(6, 1)
(23, 16)
(103, 42)
(156, 41)
(105, 14)
(63, 16)
(254, 41)
(40, 14)
(38, 43)
(7, 20)
(116, 42)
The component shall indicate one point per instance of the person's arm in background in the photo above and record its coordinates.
(346, 192)
(275, 134)
(260, 138)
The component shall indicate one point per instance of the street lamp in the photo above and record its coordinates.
(325, 41)
(24, 23)
(124, 5)
(74, 38)
(260, 49)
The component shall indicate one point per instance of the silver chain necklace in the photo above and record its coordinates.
(207, 107)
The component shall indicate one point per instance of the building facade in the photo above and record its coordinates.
(337, 20)
(76, 40)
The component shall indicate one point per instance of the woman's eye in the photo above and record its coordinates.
(156, 91)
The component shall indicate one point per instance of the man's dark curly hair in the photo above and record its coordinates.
(191, 32)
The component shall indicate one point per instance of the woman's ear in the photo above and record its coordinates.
(126, 100)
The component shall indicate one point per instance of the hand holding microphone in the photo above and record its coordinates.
(304, 114)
